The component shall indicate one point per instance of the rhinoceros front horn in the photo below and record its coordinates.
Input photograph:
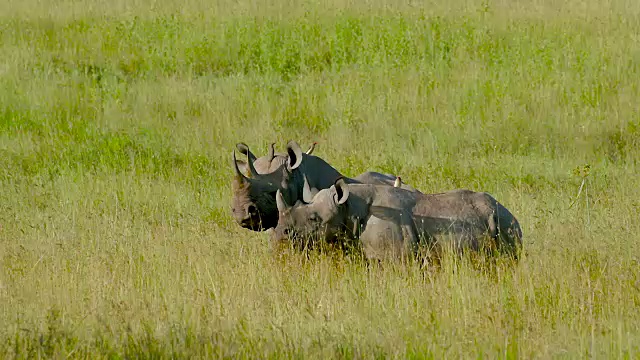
(280, 203)
(252, 169)
(244, 150)
(239, 173)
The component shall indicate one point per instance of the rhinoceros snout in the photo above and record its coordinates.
(251, 211)
(249, 217)
(251, 222)
(278, 235)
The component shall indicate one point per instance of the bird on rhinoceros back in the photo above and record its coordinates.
(311, 148)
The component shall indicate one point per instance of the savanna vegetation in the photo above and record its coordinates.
(117, 124)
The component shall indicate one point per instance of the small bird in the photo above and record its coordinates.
(398, 182)
(313, 146)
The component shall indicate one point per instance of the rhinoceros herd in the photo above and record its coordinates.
(300, 196)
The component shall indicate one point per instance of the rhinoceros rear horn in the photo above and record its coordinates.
(307, 193)
(295, 154)
(272, 151)
(280, 202)
(342, 191)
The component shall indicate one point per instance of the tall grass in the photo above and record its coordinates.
(117, 122)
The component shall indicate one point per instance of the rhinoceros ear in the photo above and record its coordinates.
(295, 154)
(341, 191)
(280, 203)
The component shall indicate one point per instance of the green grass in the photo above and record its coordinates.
(117, 122)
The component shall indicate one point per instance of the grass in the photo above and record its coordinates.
(117, 122)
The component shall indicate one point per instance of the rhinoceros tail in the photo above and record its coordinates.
(494, 229)
(509, 231)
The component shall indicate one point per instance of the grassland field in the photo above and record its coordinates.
(117, 123)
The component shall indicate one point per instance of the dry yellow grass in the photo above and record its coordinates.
(117, 120)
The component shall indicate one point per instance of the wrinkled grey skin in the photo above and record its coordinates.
(390, 222)
(253, 203)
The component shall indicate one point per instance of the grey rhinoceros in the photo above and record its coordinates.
(253, 205)
(390, 222)
(249, 194)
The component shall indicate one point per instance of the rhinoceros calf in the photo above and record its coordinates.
(392, 222)
(253, 203)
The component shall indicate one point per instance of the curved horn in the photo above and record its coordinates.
(280, 202)
(252, 169)
(307, 193)
(295, 154)
(313, 146)
(244, 150)
(342, 191)
(272, 151)
(235, 165)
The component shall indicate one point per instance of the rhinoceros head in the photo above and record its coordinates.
(319, 216)
(264, 164)
(253, 204)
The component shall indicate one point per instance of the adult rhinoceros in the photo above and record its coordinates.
(253, 204)
(392, 222)
(246, 212)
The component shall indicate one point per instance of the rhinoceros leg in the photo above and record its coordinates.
(384, 239)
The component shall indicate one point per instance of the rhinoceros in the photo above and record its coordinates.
(246, 212)
(390, 222)
(253, 204)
